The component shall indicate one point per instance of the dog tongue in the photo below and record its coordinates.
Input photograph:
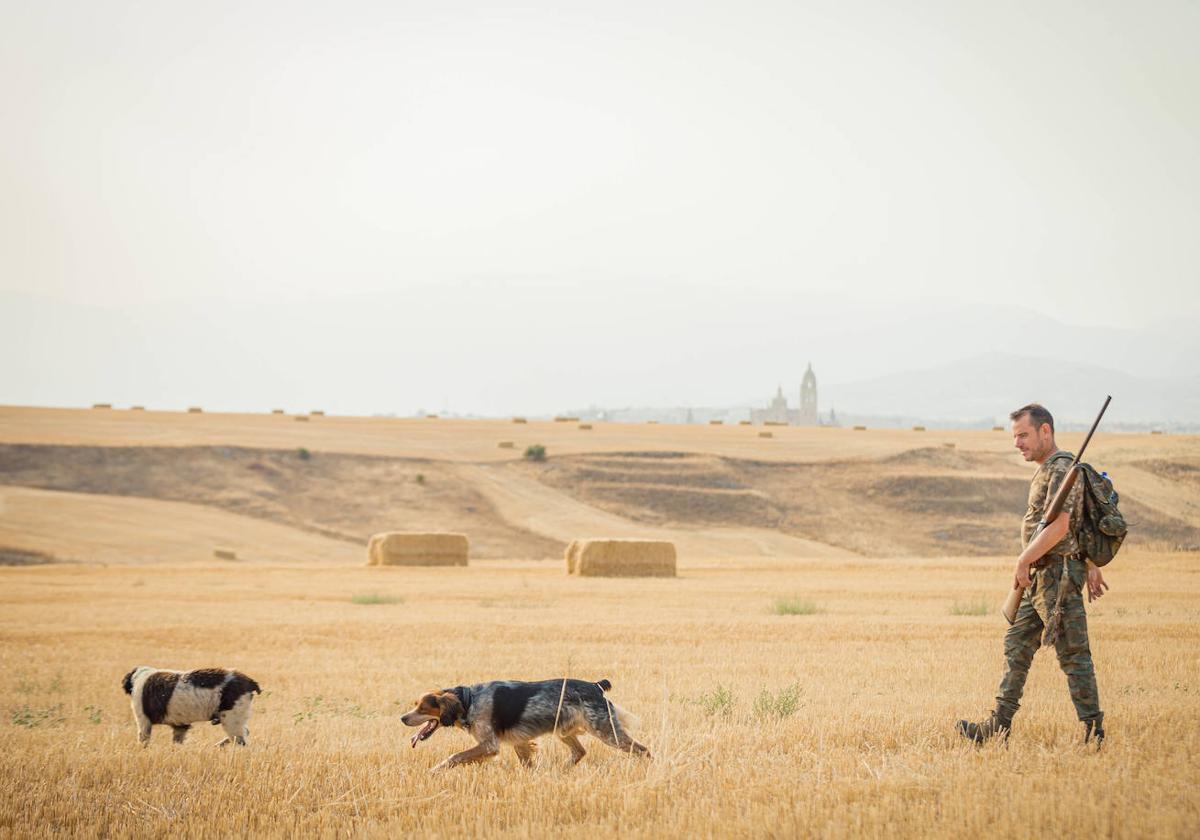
(424, 732)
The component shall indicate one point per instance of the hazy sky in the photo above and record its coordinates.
(1041, 154)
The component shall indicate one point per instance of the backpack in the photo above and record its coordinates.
(1103, 527)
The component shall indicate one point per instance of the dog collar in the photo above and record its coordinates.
(463, 693)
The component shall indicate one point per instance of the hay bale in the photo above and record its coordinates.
(302, 418)
(716, 422)
(948, 445)
(507, 444)
(565, 419)
(652, 422)
(1156, 431)
(745, 423)
(918, 428)
(997, 428)
(137, 408)
(766, 434)
(621, 558)
(774, 423)
(224, 554)
(520, 420)
(101, 405)
(431, 417)
(277, 411)
(411, 548)
(317, 412)
(572, 556)
(195, 409)
(586, 427)
(860, 428)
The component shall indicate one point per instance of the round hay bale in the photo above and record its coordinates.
(195, 409)
(507, 444)
(766, 434)
(520, 420)
(918, 428)
(586, 427)
(414, 548)
(860, 428)
(997, 428)
(621, 558)
(224, 554)
(302, 418)
(101, 405)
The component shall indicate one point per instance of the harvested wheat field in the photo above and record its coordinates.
(797, 678)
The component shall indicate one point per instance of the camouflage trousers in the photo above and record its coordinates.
(1025, 637)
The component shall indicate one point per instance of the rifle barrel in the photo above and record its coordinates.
(1092, 431)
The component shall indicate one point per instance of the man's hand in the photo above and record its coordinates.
(1095, 582)
(1021, 576)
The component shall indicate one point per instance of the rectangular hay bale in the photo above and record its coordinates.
(416, 548)
(860, 428)
(507, 444)
(716, 422)
(101, 405)
(520, 420)
(586, 427)
(621, 558)
(195, 409)
(766, 434)
(303, 418)
(918, 428)
(224, 554)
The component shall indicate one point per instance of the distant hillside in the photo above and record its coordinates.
(984, 388)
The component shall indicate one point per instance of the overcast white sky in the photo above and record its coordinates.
(1042, 154)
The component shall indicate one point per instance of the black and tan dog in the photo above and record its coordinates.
(517, 713)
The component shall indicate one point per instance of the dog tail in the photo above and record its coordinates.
(605, 685)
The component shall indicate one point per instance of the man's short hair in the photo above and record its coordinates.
(1037, 415)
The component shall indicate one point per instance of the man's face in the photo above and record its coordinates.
(1033, 442)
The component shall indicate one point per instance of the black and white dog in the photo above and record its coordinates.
(518, 712)
(180, 698)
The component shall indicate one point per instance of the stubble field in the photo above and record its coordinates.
(835, 721)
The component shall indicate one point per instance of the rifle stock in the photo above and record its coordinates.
(1013, 601)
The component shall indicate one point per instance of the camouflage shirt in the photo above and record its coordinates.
(1045, 484)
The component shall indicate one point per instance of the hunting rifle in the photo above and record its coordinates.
(1013, 601)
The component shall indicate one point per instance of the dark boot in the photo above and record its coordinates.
(1094, 729)
(994, 724)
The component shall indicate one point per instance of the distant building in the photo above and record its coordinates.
(778, 412)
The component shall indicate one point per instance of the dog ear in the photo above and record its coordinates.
(127, 683)
(452, 709)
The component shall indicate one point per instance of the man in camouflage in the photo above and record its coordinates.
(1039, 568)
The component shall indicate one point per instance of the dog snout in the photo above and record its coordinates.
(414, 718)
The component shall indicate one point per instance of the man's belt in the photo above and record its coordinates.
(1055, 559)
